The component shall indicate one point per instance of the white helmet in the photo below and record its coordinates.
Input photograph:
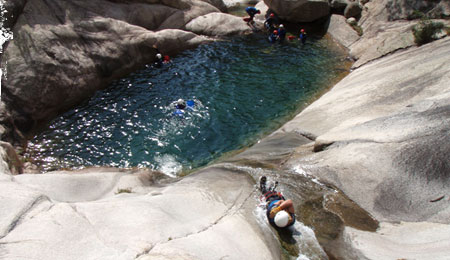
(281, 26)
(159, 56)
(180, 101)
(281, 219)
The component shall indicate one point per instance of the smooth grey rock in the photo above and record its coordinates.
(380, 36)
(218, 24)
(341, 31)
(376, 43)
(405, 9)
(66, 187)
(4, 167)
(206, 215)
(404, 240)
(10, 157)
(299, 10)
(16, 201)
(273, 148)
(385, 132)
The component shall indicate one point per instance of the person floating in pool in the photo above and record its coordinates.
(251, 11)
(181, 104)
(281, 33)
(302, 36)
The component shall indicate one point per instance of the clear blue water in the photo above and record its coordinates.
(243, 88)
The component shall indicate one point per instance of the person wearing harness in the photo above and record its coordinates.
(280, 212)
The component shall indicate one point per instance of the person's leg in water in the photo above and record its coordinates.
(262, 184)
(263, 187)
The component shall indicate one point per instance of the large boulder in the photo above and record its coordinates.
(341, 31)
(353, 9)
(299, 10)
(218, 24)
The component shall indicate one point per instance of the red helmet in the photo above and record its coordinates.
(275, 32)
(302, 30)
(272, 15)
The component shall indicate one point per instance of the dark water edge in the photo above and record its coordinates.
(244, 89)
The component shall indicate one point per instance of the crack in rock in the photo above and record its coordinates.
(104, 242)
(16, 221)
(230, 211)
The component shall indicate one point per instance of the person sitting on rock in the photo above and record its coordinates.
(280, 212)
(251, 11)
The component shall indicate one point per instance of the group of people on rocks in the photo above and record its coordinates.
(277, 32)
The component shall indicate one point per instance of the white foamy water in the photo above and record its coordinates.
(168, 165)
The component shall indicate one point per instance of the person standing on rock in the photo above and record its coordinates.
(281, 33)
(251, 11)
(270, 22)
(280, 212)
(302, 36)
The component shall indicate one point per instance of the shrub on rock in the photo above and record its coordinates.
(426, 30)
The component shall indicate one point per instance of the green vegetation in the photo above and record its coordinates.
(416, 15)
(127, 190)
(425, 31)
(358, 29)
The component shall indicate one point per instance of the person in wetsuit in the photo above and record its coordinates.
(273, 37)
(181, 104)
(280, 212)
(252, 11)
(302, 36)
(270, 22)
(281, 33)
